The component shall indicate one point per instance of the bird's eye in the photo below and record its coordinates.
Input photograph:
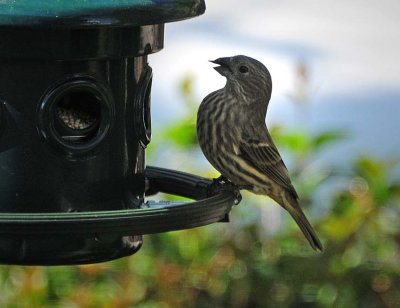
(243, 69)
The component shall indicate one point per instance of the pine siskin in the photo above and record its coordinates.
(234, 138)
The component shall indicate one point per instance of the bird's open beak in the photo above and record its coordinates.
(224, 65)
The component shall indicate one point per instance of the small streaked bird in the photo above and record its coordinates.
(233, 136)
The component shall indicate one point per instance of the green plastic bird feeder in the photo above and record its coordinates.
(74, 124)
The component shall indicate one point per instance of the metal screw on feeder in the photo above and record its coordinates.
(74, 123)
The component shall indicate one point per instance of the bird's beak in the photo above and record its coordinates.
(224, 65)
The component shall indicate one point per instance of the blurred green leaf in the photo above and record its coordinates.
(181, 134)
(296, 141)
(370, 169)
(303, 144)
(394, 189)
(377, 176)
(329, 137)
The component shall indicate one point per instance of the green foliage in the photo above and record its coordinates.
(302, 144)
(183, 132)
(259, 259)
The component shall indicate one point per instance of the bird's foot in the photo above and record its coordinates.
(223, 184)
(246, 187)
(221, 180)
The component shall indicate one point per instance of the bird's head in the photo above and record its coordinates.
(245, 74)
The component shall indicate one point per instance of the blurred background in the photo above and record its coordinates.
(334, 115)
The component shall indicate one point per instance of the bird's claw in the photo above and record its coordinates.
(223, 184)
(220, 181)
(238, 197)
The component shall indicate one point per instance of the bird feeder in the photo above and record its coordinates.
(74, 124)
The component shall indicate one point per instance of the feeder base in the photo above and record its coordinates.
(90, 237)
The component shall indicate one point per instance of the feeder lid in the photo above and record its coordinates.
(96, 13)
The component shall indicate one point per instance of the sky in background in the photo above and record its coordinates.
(350, 49)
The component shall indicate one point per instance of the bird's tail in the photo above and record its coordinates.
(291, 204)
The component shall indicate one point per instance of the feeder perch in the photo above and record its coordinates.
(74, 124)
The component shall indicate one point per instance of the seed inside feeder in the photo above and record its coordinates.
(75, 119)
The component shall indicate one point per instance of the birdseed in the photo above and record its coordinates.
(75, 119)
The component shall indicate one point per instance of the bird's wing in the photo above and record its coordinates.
(264, 156)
